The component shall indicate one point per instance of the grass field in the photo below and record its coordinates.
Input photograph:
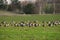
(30, 33)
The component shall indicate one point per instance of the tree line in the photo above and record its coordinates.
(30, 8)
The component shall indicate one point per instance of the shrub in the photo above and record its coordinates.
(29, 8)
(49, 9)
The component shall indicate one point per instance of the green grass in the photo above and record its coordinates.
(30, 33)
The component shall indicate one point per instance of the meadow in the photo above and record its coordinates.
(30, 33)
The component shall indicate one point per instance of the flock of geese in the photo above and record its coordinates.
(29, 24)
